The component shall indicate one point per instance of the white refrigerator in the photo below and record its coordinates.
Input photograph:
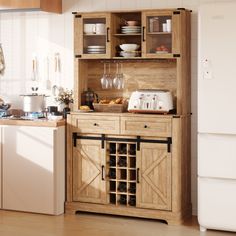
(217, 116)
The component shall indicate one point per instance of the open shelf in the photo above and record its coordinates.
(121, 159)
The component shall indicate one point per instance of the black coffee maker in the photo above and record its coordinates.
(88, 98)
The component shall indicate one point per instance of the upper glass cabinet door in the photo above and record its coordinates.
(93, 36)
(159, 33)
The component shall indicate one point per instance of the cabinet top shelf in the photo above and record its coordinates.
(158, 33)
(127, 34)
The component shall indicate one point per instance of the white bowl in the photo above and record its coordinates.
(129, 47)
(128, 54)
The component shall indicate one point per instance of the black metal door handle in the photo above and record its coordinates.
(144, 34)
(108, 39)
(103, 167)
(138, 175)
(95, 124)
(145, 126)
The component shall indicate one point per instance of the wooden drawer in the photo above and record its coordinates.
(96, 124)
(160, 127)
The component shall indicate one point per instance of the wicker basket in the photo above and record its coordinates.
(116, 108)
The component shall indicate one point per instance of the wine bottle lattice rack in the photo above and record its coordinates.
(122, 173)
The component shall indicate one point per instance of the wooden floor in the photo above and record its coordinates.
(25, 224)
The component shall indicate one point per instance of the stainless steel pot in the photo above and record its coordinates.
(33, 103)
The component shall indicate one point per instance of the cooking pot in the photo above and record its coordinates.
(33, 102)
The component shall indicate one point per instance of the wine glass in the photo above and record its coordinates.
(109, 79)
(104, 81)
(116, 79)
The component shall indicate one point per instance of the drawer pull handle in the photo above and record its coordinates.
(137, 175)
(95, 124)
(145, 126)
(103, 172)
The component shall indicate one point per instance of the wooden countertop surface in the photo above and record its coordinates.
(124, 114)
(38, 123)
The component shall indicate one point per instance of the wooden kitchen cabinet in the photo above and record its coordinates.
(89, 172)
(93, 36)
(54, 6)
(125, 163)
(155, 42)
(129, 174)
(154, 177)
(163, 32)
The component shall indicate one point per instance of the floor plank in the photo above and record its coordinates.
(26, 224)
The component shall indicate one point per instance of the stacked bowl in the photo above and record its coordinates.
(129, 50)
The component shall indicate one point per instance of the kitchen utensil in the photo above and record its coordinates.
(34, 76)
(164, 27)
(2, 61)
(116, 79)
(89, 28)
(132, 22)
(129, 47)
(104, 81)
(48, 84)
(100, 28)
(33, 103)
(109, 77)
(168, 25)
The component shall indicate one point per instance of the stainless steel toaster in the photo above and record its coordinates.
(151, 101)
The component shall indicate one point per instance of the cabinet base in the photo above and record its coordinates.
(171, 218)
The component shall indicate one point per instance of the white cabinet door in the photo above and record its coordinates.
(217, 156)
(217, 79)
(31, 172)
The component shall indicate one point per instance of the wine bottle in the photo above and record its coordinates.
(122, 162)
(112, 174)
(122, 187)
(132, 189)
(122, 200)
(132, 201)
(112, 161)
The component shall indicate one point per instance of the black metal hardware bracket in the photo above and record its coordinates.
(176, 12)
(103, 141)
(78, 16)
(138, 140)
(176, 55)
(74, 13)
(138, 143)
(77, 56)
(181, 9)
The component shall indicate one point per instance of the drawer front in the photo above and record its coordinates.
(96, 124)
(146, 126)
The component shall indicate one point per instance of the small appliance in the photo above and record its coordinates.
(151, 101)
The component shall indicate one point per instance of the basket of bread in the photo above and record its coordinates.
(116, 105)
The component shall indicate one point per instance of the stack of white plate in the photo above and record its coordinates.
(95, 49)
(130, 29)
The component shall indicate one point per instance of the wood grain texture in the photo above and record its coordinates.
(88, 185)
(44, 5)
(22, 224)
(137, 75)
(39, 123)
(154, 189)
(146, 126)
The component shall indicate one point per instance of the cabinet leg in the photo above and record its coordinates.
(202, 229)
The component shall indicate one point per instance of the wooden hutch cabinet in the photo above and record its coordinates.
(125, 163)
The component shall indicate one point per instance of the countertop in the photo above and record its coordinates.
(38, 123)
(125, 114)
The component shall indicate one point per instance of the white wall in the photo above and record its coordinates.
(24, 35)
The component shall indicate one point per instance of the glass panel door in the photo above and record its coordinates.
(94, 36)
